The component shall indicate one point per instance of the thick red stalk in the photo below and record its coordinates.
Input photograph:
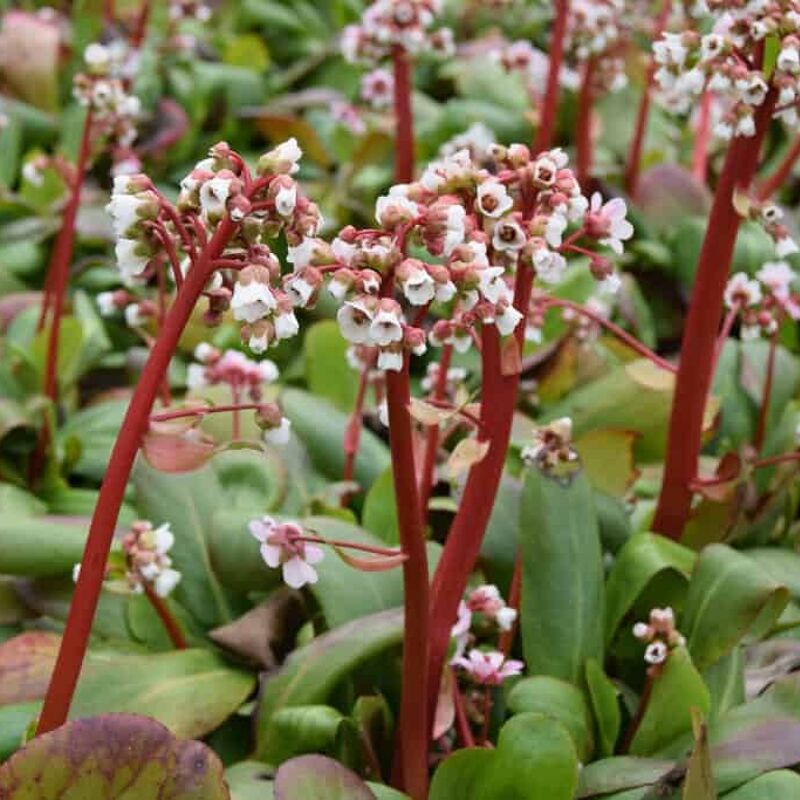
(700, 332)
(547, 120)
(701, 138)
(432, 437)
(784, 169)
(499, 396)
(101, 531)
(637, 142)
(404, 119)
(413, 745)
(583, 136)
(352, 434)
(58, 268)
(169, 622)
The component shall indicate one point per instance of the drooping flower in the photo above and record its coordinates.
(488, 667)
(282, 546)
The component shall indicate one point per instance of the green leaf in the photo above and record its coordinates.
(310, 673)
(321, 427)
(319, 778)
(605, 705)
(676, 691)
(602, 778)
(725, 681)
(328, 374)
(250, 780)
(302, 729)
(247, 50)
(729, 597)
(562, 702)
(95, 428)
(15, 722)
(562, 576)
(699, 782)
(501, 543)
(112, 757)
(645, 558)
(534, 760)
(779, 785)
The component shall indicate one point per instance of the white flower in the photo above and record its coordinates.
(508, 236)
(286, 325)
(32, 173)
(106, 304)
(286, 200)
(419, 288)
(395, 207)
(354, 321)
(130, 259)
(204, 351)
(196, 377)
(550, 266)
(611, 284)
(789, 60)
(641, 630)
(507, 319)
(611, 220)
(344, 251)
(785, 247)
(777, 276)
(285, 156)
(455, 228)
(97, 58)
(492, 286)
(124, 212)
(493, 200)
(741, 291)
(386, 328)
(301, 255)
(252, 301)
(391, 360)
(279, 435)
(505, 618)
(282, 546)
(166, 580)
(133, 316)
(656, 653)
(446, 291)
(214, 196)
(554, 230)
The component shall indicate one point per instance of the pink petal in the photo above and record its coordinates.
(271, 554)
(297, 573)
(314, 554)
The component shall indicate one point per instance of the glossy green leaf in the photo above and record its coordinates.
(725, 681)
(380, 509)
(95, 428)
(321, 427)
(112, 757)
(302, 729)
(15, 721)
(560, 700)
(328, 374)
(250, 780)
(319, 778)
(605, 706)
(561, 617)
(501, 543)
(644, 558)
(729, 597)
(534, 760)
(603, 778)
(676, 691)
(310, 673)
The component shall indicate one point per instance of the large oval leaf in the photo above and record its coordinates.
(729, 597)
(562, 576)
(319, 778)
(112, 757)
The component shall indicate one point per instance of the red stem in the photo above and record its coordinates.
(432, 436)
(487, 715)
(140, 31)
(462, 723)
(352, 435)
(702, 138)
(514, 596)
(644, 700)
(637, 143)
(763, 413)
(727, 325)
(700, 332)
(236, 423)
(783, 458)
(583, 137)
(202, 411)
(58, 269)
(784, 169)
(466, 533)
(169, 622)
(404, 155)
(547, 121)
(101, 531)
(364, 548)
(413, 725)
(621, 334)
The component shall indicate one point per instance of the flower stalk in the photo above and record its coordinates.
(404, 118)
(171, 625)
(549, 112)
(583, 136)
(700, 332)
(101, 531)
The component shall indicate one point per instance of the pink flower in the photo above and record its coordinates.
(488, 667)
(282, 546)
(607, 222)
(377, 88)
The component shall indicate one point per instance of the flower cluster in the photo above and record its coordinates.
(477, 224)
(102, 89)
(529, 62)
(486, 601)
(180, 10)
(245, 377)
(726, 61)
(387, 24)
(552, 445)
(247, 276)
(145, 549)
(763, 301)
(478, 140)
(596, 32)
(488, 667)
(283, 545)
(660, 635)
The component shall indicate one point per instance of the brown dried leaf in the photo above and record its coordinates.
(466, 453)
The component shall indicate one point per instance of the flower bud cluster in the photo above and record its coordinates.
(763, 301)
(727, 62)
(476, 225)
(245, 378)
(660, 635)
(145, 549)
(409, 24)
(552, 445)
(102, 89)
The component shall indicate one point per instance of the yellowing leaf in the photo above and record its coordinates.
(466, 453)
(429, 414)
